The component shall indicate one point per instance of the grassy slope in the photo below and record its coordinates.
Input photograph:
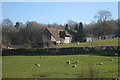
(55, 66)
(109, 42)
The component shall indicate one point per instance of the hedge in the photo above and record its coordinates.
(101, 50)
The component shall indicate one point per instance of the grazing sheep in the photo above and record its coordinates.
(111, 59)
(37, 64)
(114, 79)
(100, 63)
(68, 62)
(118, 78)
(78, 43)
(74, 66)
(77, 61)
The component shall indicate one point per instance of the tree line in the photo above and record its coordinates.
(27, 34)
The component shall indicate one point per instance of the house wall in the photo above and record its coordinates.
(52, 38)
(89, 39)
(47, 35)
(68, 40)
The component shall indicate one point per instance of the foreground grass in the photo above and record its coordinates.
(55, 67)
(108, 42)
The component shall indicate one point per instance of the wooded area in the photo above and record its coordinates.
(27, 34)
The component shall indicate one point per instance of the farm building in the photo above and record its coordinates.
(89, 39)
(57, 36)
(77, 33)
(60, 36)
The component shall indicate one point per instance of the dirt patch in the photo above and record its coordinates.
(78, 75)
(43, 75)
(110, 72)
(75, 74)
(66, 73)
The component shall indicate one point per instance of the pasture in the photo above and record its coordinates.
(107, 42)
(56, 67)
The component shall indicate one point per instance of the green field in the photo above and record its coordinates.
(108, 42)
(56, 67)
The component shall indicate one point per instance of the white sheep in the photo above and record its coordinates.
(74, 66)
(111, 59)
(37, 64)
(77, 61)
(41, 56)
(68, 62)
(100, 63)
(118, 78)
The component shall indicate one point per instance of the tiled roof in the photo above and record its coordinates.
(74, 31)
(67, 34)
(56, 33)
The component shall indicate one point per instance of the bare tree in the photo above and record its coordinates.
(8, 32)
(7, 26)
(7, 22)
(103, 16)
(71, 22)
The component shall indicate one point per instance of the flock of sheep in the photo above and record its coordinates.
(74, 66)
(109, 60)
(68, 62)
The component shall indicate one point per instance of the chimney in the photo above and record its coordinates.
(48, 25)
(67, 27)
(80, 25)
(76, 26)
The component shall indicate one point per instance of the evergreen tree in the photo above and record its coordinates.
(80, 33)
